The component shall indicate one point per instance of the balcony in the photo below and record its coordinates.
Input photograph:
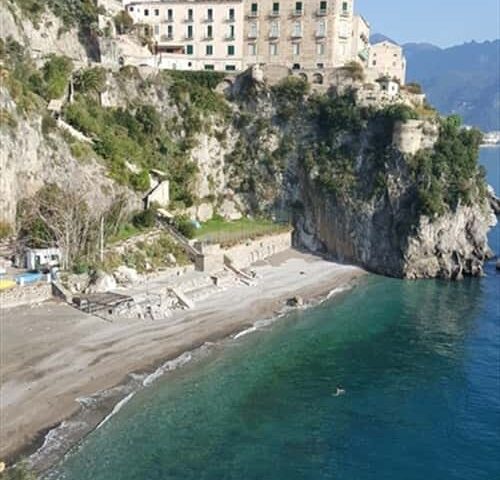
(208, 37)
(166, 38)
(229, 38)
(252, 14)
(188, 36)
(297, 13)
(320, 34)
(321, 12)
(208, 20)
(231, 19)
(169, 19)
(189, 19)
(296, 34)
(252, 34)
(274, 34)
(274, 13)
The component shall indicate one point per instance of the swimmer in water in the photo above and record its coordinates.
(340, 391)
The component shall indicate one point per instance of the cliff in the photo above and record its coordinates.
(392, 188)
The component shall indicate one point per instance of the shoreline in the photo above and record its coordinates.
(187, 339)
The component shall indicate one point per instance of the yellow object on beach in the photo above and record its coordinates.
(6, 284)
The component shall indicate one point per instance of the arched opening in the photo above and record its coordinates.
(317, 79)
(303, 76)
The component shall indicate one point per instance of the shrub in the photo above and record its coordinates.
(56, 73)
(185, 226)
(123, 22)
(144, 219)
(5, 230)
(414, 88)
(354, 71)
(91, 80)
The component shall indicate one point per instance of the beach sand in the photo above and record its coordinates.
(52, 354)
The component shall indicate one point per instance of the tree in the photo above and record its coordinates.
(123, 22)
(354, 71)
(56, 73)
(59, 217)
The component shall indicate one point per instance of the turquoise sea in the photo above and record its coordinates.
(420, 363)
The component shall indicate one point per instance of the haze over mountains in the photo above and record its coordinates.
(462, 79)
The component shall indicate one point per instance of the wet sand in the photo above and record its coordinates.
(52, 354)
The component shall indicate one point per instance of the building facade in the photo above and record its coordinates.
(386, 59)
(189, 35)
(313, 37)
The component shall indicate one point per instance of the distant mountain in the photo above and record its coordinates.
(463, 79)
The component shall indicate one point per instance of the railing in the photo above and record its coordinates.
(297, 13)
(274, 13)
(252, 14)
(274, 34)
(321, 12)
(296, 34)
(233, 238)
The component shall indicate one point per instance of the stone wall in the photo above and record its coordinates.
(27, 295)
(245, 254)
(411, 136)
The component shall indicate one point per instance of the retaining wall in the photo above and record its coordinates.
(252, 251)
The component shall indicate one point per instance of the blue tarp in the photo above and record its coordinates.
(29, 278)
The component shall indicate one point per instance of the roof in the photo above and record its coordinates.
(388, 44)
(55, 105)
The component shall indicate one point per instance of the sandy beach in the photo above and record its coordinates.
(52, 354)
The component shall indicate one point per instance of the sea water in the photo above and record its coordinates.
(419, 362)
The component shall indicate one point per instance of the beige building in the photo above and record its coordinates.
(193, 35)
(310, 38)
(387, 60)
(360, 40)
(298, 34)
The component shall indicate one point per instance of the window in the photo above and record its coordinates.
(345, 6)
(210, 14)
(189, 49)
(189, 33)
(253, 8)
(230, 68)
(297, 29)
(170, 31)
(231, 15)
(157, 29)
(210, 31)
(157, 12)
(321, 28)
(190, 15)
(273, 49)
(252, 49)
(320, 65)
(298, 8)
(323, 7)
(374, 62)
(253, 30)
(146, 12)
(275, 30)
(209, 50)
(231, 32)
(170, 14)
(296, 66)
(320, 49)
(276, 8)
(296, 48)
(230, 50)
(209, 67)
(130, 9)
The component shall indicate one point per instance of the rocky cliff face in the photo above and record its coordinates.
(356, 197)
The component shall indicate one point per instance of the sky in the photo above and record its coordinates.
(441, 22)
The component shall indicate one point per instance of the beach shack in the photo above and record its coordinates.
(42, 258)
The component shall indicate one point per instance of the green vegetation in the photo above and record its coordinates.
(354, 71)
(5, 230)
(449, 174)
(73, 13)
(147, 255)
(123, 22)
(289, 94)
(185, 225)
(19, 472)
(91, 80)
(218, 230)
(55, 77)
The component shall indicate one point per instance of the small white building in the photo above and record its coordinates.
(389, 86)
(159, 192)
(39, 258)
